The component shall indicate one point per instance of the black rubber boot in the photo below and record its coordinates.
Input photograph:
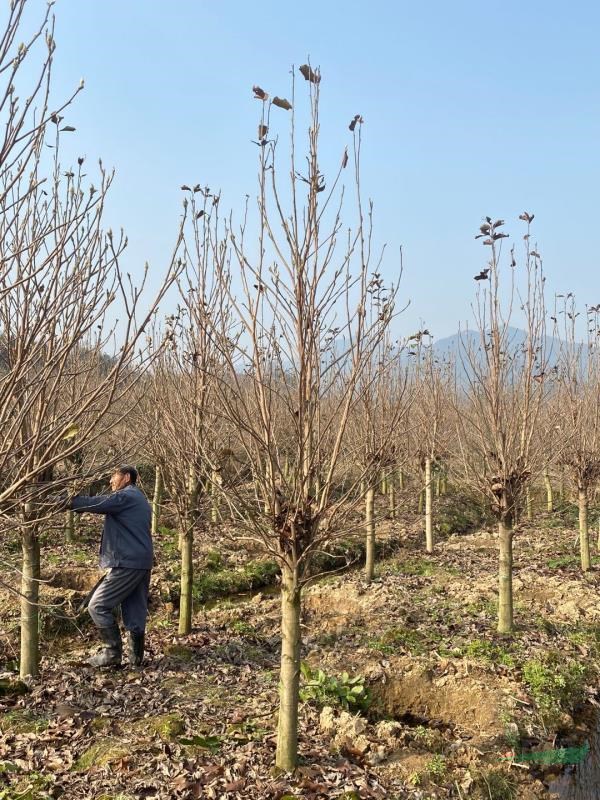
(112, 653)
(135, 648)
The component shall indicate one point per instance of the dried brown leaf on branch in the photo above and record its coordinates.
(526, 216)
(259, 94)
(309, 74)
(281, 102)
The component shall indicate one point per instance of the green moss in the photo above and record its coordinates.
(99, 724)
(115, 797)
(398, 638)
(10, 688)
(166, 726)
(22, 721)
(568, 561)
(201, 742)
(179, 652)
(414, 566)
(33, 787)
(100, 753)
(212, 581)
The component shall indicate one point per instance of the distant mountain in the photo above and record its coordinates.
(456, 346)
(517, 338)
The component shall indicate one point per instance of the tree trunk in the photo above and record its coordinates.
(69, 526)
(318, 485)
(30, 590)
(214, 493)
(438, 485)
(561, 486)
(584, 539)
(156, 499)
(187, 580)
(383, 487)
(392, 497)
(428, 507)
(444, 484)
(549, 494)
(401, 480)
(529, 504)
(505, 594)
(421, 499)
(370, 531)
(287, 730)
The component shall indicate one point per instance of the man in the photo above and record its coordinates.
(126, 551)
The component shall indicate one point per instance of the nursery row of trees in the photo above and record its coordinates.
(276, 398)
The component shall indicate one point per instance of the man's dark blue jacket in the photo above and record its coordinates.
(126, 540)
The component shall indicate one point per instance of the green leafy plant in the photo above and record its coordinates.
(555, 685)
(511, 736)
(348, 692)
(436, 768)
(415, 778)
(460, 513)
(587, 635)
(242, 627)
(424, 736)
(489, 651)
(496, 784)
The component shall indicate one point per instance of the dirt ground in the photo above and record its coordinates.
(450, 709)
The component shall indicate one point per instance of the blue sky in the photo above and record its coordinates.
(470, 109)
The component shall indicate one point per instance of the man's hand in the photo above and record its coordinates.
(61, 501)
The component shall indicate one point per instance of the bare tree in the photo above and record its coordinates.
(502, 394)
(432, 380)
(578, 394)
(188, 444)
(381, 409)
(301, 343)
(64, 368)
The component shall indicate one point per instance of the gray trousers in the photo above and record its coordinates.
(123, 587)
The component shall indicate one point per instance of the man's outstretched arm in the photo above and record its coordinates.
(101, 504)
